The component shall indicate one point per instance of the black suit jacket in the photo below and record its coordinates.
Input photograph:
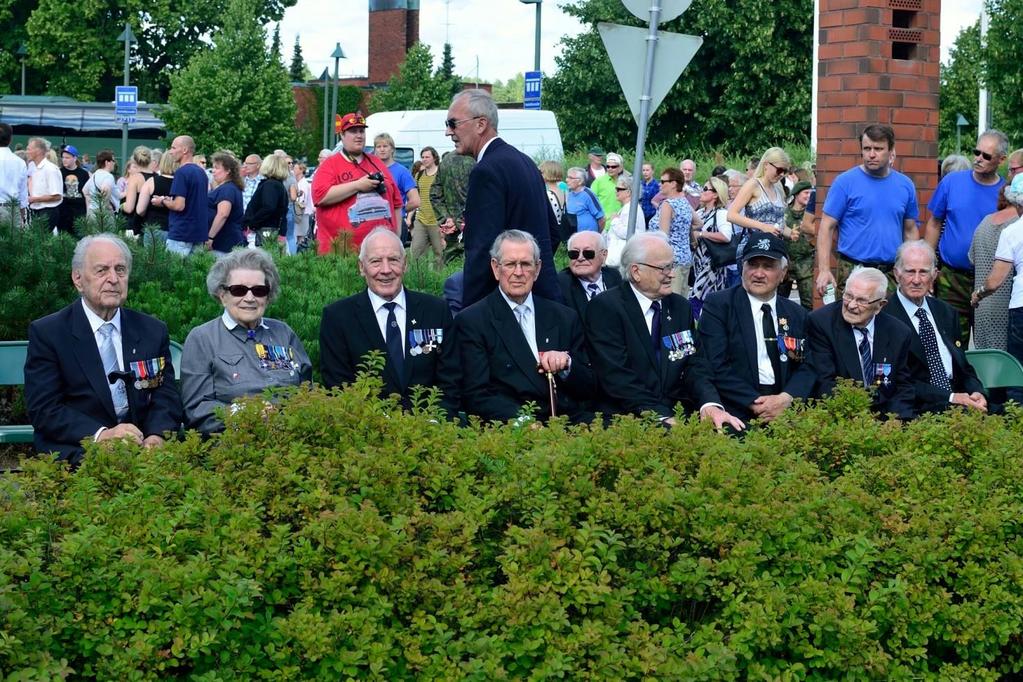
(929, 398)
(833, 353)
(623, 356)
(66, 389)
(498, 368)
(729, 340)
(506, 191)
(349, 330)
(574, 293)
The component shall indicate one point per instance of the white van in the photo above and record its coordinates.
(533, 132)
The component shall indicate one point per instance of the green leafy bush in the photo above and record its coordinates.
(337, 538)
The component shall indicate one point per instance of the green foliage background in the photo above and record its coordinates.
(748, 87)
(417, 85)
(336, 538)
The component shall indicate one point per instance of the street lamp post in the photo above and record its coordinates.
(22, 53)
(536, 49)
(128, 38)
(337, 55)
(325, 78)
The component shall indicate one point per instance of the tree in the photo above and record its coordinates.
(1003, 56)
(446, 72)
(235, 95)
(747, 88)
(297, 71)
(511, 91)
(960, 86)
(13, 16)
(73, 47)
(414, 86)
(275, 44)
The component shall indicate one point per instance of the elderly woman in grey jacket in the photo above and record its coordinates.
(241, 352)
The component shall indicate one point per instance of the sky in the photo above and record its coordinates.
(498, 35)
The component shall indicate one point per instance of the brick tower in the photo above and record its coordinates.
(393, 29)
(878, 63)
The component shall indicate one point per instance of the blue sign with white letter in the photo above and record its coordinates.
(531, 92)
(126, 100)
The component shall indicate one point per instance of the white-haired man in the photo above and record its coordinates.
(586, 275)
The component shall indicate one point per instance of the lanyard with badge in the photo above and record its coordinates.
(371, 205)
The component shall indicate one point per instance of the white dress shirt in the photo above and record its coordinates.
(95, 321)
(528, 323)
(764, 367)
(483, 149)
(400, 310)
(47, 180)
(13, 178)
(911, 308)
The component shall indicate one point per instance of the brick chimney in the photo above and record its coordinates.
(878, 63)
(393, 29)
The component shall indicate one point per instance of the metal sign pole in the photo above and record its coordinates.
(644, 114)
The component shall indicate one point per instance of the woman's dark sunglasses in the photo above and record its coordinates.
(239, 290)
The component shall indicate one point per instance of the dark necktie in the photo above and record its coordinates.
(866, 360)
(655, 330)
(930, 342)
(593, 290)
(393, 339)
(771, 339)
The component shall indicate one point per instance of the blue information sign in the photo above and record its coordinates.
(126, 100)
(531, 93)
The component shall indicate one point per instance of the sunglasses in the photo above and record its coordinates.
(588, 254)
(985, 155)
(239, 290)
(621, 189)
(613, 165)
(709, 189)
(781, 169)
(453, 123)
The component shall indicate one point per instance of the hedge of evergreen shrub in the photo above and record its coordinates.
(336, 538)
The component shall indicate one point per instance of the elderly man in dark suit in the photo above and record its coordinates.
(851, 339)
(506, 191)
(95, 370)
(754, 340)
(941, 374)
(643, 343)
(516, 347)
(586, 275)
(412, 329)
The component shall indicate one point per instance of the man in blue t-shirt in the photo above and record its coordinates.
(960, 202)
(187, 224)
(383, 147)
(874, 209)
(581, 202)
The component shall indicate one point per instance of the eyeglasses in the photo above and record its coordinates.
(665, 269)
(1015, 169)
(781, 169)
(588, 254)
(240, 290)
(664, 180)
(613, 165)
(453, 123)
(985, 155)
(513, 265)
(709, 189)
(621, 189)
(859, 302)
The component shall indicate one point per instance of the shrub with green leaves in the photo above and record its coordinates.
(337, 538)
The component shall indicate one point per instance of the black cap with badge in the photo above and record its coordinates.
(767, 245)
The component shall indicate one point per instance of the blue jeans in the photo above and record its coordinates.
(183, 248)
(290, 238)
(1015, 347)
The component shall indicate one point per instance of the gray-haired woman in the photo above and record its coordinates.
(240, 353)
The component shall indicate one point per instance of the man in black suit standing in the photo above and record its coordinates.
(515, 347)
(941, 374)
(97, 370)
(506, 191)
(754, 340)
(643, 344)
(850, 339)
(412, 329)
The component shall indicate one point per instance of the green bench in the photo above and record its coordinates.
(12, 373)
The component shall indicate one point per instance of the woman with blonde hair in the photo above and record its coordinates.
(763, 198)
(706, 278)
(137, 172)
(158, 184)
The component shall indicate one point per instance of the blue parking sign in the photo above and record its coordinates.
(531, 92)
(126, 100)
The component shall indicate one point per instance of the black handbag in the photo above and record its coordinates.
(722, 254)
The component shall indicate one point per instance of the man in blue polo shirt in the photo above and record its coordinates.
(874, 209)
(960, 202)
(187, 220)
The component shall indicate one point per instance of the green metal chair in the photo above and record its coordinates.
(12, 373)
(996, 368)
(175, 351)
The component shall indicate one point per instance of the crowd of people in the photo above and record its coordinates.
(691, 310)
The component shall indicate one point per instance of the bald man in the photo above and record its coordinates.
(187, 223)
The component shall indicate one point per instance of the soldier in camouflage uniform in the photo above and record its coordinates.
(801, 250)
(447, 196)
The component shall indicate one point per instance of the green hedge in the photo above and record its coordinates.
(339, 539)
(35, 268)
